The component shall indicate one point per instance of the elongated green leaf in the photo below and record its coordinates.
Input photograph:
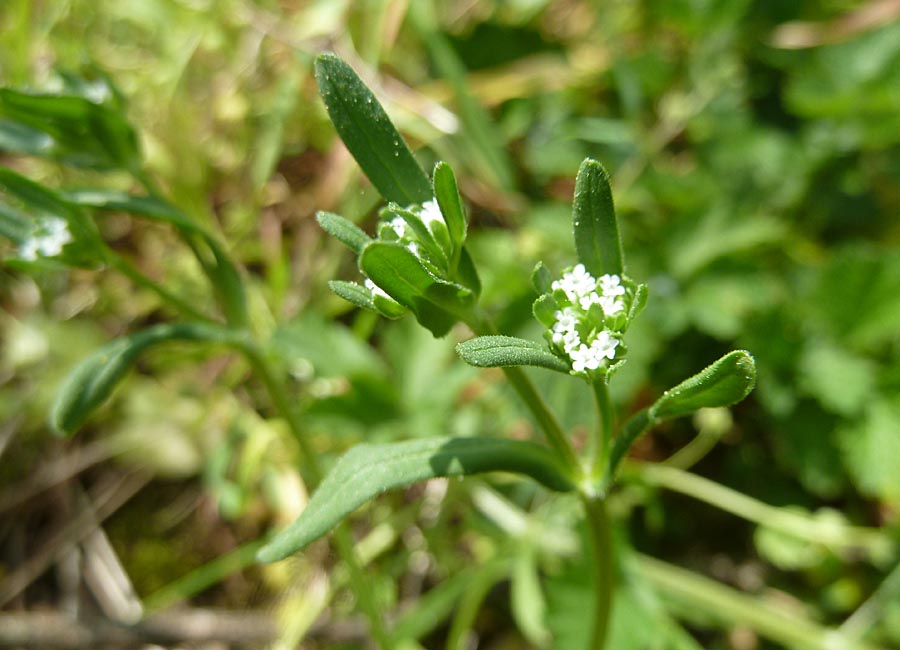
(369, 134)
(19, 138)
(447, 194)
(596, 230)
(368, 470)
(723, 383)
(352, 293)
(95, 378)
(145, 206)
(540, 279)
(343, 230)
(503, 351)
(32, 195)
(400, 273)
(81, 132)
(13, 224)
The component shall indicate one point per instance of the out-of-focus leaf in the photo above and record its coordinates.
(368, 470)
(594, 220)
(842, 381)
(527, 598)
(872, 450)
(503, 351)
(145, 206)
(34, 196)
(94, 379)
(369, 134)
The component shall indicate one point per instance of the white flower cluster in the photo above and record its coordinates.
(47, 238)
(588, 347)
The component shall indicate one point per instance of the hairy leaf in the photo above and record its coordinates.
(368, 470)
(596, 230)
(369, 134)
(447, 194)
(502, 351)
(343, 230)
(725, 382)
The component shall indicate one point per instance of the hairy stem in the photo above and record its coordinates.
(602, 436)
(602, 569)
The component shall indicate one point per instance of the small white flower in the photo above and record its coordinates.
(566, 319)
(431, 212)
(48, 237)
(592, 357)
(589, 299)
(610, 285)
(413, 248)
(375, 289)
(610, 305)
(604, 345)
(576, 283)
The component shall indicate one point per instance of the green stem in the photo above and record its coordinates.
(602, 438)
(730, 607)
(359, 583)
(601, 540)
(535, 403)
(801, 526)
(125, 267)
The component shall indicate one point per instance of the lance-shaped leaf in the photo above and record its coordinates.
(34, 196)
(436, 303)
(369, 134)
(95, 378)
(594, 218)
(362, 297)
(345, 231)
(504, 351)
(447, 194)
(368, 470)
(723, 383)
(80, 132)
(145, 206)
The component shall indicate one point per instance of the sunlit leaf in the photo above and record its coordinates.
(368, 470)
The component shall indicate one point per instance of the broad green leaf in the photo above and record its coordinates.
(447, 194)
(343, 230)
(594, 218)
(723, 383)
(368, 133)
(503, 351)
(95, 378)
(367, 470)
(401, 274)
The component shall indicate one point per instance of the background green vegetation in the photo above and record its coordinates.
(755, 155)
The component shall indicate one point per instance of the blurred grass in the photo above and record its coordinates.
(756, 185)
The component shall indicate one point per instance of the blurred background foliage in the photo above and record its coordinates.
(755, 154)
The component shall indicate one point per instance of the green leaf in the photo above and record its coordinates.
(362, 297)
(367, 470)
(426, 239)
(145, 206)
(467, 274)
(401, 274)
(544, 310)
(527, 598)
(81, 132)
(723, 383)
(343, 230)
(447, 194)
(19, 138)
(13, 224)
(32, 195)
(541, 280)
(503, 351)
(596, 230)
(368, 133)
(95, 378)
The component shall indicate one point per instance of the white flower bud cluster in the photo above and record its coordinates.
(578, 333)
(47, 238)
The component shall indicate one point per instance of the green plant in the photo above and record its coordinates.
(418, 264)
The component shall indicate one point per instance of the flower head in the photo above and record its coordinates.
(586, 327)
(47, 238)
